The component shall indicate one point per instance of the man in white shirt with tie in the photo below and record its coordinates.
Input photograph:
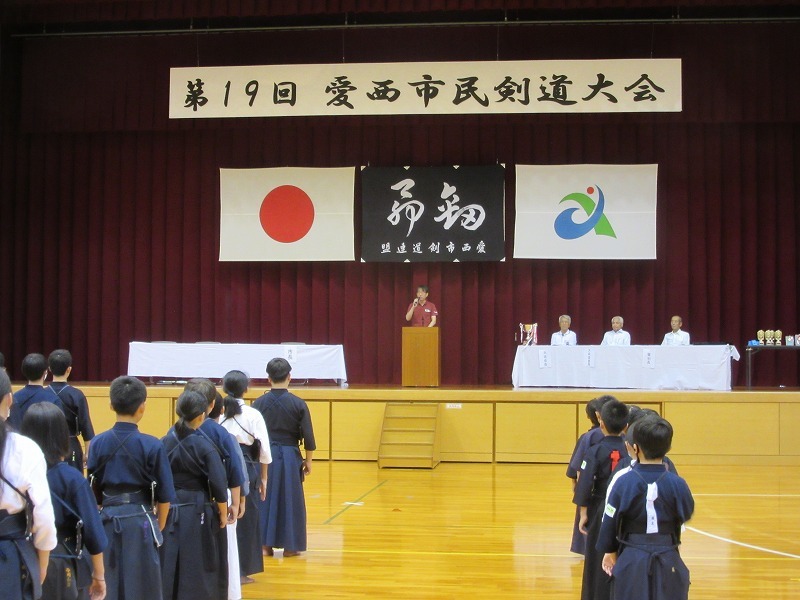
(617, 336)
(676, 337)
(564, 337)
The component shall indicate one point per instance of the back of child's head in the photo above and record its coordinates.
(614, 415)
(59, 361)
(34, 367)
(202, 386)
(5, 384)
(653, 436)
(278, 370)
(188, 407)
(592, 408)
(235, 383)
(218, 405)
(633, 413)
(127, 395)
(46, 425)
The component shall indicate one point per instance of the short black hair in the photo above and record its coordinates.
(592, 408)
(202, 386)
(235, 383)
(5, 384)
(34, 366)
(59, 360)
(127, 395)
(653, 435)
(423, 287)
(278, 370)
(46, 425)
(614, 415)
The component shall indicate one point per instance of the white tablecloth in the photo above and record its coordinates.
(634, 367)
(167, 359)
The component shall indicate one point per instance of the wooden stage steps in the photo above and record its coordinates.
(410, 435)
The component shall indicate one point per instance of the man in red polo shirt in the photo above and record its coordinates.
(420, 312)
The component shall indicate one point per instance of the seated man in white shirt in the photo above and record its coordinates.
(564, 337)
(676, 337)
(617, 336)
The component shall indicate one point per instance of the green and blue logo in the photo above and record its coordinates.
(566, 227)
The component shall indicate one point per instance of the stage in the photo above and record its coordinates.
(528, 425)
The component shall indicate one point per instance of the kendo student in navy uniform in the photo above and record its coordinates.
(76, 567)
(590, 493)
(231, 455)
(190, 565)
(130, 474)
(585, 441)
(34, 369)
(642, 521)
(27, 524)
(76, 408)
(283, 514)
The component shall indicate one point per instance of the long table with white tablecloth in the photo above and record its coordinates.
(633, 367)
(174, 360)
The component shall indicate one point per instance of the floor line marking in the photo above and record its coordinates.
(749, 495)
(353, 503)
(752, 547)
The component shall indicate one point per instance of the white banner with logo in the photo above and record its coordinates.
(586, 211)
(481, 87)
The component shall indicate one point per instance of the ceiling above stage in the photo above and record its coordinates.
(56, 17)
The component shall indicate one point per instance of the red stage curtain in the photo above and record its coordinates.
(110, 211)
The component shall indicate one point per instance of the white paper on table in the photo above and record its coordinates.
(589, 357)
(648, 358)
(545, 358)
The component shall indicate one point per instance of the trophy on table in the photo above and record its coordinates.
(770, 335)
(760, 337)
(778, 337)
(528, 334)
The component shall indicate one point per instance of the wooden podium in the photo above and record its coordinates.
(422, 364)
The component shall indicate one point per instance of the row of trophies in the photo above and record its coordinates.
(774, 337)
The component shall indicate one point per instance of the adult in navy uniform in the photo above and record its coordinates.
(231, 455)
(34, 369)
(76, 567)
(640, 532)
(23, 484)
(247, 425)
(190, 565)
(130, 473)
(283, 514)
(74, 404)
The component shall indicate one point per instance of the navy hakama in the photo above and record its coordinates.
(283, 514)
(248, 528)
(19, 562)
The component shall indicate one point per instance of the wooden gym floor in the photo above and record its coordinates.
(466, 530)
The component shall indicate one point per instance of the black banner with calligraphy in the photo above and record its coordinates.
(433, 214)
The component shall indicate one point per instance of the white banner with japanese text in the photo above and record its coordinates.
(433, 214)
(286, 214)
(481, 87)
(586, 211)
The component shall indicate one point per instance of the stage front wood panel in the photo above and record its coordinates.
(422, 364)
(501, 424)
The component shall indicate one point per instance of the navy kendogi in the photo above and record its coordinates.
(283, 513)
(130, 472)
(189, 557)
(642, 522)
(76, 410)
(227, 447)
(590, 491)
(70, 570)
(26, 397)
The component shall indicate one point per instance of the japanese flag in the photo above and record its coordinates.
(286, 214)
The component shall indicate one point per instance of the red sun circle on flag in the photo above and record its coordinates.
(287, 214)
